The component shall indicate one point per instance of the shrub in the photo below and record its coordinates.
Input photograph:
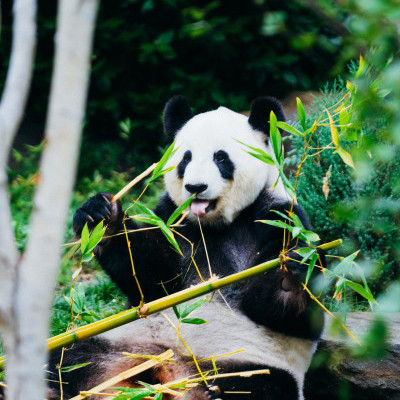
(361, 211)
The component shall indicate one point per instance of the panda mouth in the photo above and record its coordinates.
(200, 207)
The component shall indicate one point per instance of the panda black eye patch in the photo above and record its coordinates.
(224, 164)
(187, 157)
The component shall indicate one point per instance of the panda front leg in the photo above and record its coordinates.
(154, 261)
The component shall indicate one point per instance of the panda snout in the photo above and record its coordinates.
(196, 189)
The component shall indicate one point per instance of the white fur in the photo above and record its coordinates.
(204, 135)
(225, 332)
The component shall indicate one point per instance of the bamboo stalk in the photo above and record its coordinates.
(133, 182)
(126, 374)
(124, 317)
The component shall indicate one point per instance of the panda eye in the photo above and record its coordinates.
(220, 156)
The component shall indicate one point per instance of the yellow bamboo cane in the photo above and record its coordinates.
(95, 328)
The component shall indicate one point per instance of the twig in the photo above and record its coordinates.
(125, 375)
(133, 182)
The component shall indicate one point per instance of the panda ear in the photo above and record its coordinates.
(176, 113)
(260, 111)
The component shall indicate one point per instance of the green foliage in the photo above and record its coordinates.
(146, 51)
(359, 211)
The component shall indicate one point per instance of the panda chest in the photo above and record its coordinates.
(222, 252)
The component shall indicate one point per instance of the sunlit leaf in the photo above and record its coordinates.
(360, 290)
(191, 307)
(289, 128)
(164, 159)
(74, 367)
(275, 136)
(174, 216)
(84, 238)
(346, 157)
(301, 113)
(311, 266)
(334, 131)
(195, 321)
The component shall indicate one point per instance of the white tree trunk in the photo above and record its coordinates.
(12, 107)
(37, 270)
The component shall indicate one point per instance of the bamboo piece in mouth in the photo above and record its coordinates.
(134, 181)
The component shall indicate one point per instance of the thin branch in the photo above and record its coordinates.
(12, 107)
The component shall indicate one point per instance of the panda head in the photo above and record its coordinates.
(213, 165)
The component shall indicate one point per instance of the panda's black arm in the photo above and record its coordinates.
(277, 298)
(153, 258)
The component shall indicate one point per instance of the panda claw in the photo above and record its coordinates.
(213, 391)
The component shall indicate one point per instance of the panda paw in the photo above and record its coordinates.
(98, 208)
(214, 392)
(296, 269)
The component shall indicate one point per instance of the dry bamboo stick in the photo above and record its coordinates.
(134, 181)
(126, 374)
(106, 324)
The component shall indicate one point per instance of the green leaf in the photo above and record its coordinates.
(84, 238)
(311, 266)
(360, 290)
(346, 157)
(334, 131)
(164, 159)
(277, 223)
(96, 236)
(345, 265)
(87, 257)
(296, 231)
(195, 321)
(133, 393)
(362, 66)
(275, 136)
(74, 367)
(158, 396)
(191, 307)
(259, 153)
(289, 128)
(170, 237)
(309, 236)
(174, 216)
(305, 252)
(301, 113)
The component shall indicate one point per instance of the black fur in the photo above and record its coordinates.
(224, 164)
(187, 157)
(260, 112)
(244, 244)
(278, 385)
(176, 113)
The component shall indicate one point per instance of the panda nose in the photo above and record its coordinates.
(196, 188)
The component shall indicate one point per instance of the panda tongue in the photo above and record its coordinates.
(198, 207)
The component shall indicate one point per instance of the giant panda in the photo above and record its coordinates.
(269, 318)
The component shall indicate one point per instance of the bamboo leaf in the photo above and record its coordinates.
(195, 321)
(84, 238)
(311, 266)
(191, 307)
(296, 231)
(275, 136)
(74, 367)
(265, 158)
(174, 216)
(158, 396)
(362, 66)
(309, 236)
(346, 157)
(289, 128)
(305, 252)
(164, 159)
(360, 290)
(96, 236)
(301, 113)
(334, 131)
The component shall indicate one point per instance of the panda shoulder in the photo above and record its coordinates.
(271, 208)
